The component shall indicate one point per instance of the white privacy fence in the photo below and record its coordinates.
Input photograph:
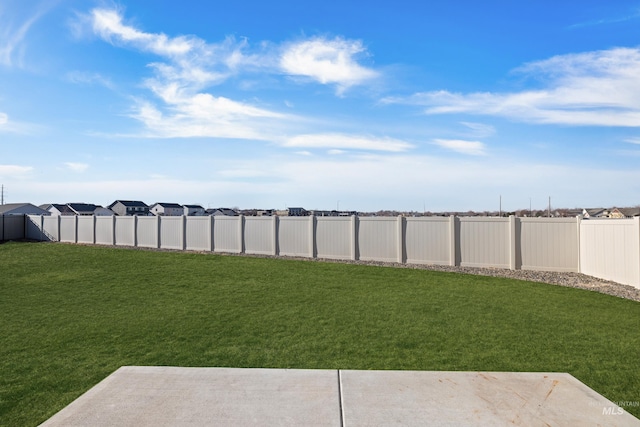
(608, 249)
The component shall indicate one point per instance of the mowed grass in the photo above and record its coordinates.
(71, 315)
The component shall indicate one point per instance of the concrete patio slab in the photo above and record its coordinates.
(410, 398)
(169, 396)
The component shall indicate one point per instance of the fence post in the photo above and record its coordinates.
(312, 236)
(183, 230)
(400, 240)
(274, 225)
(95, 225)
(135, 231)
(579, 226)
(512, 242)
(59, 234)
(211, 228)
(158, 231)
(42, 234)
(636, 221)
(241, 232)
(453, 241)
(113, 229)
(354, 238)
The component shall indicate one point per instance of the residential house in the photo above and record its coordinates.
(193, 210)
(57, 209)
(21, 209)
(624, 212)
(222, 212)
(595, 213)
(129, 208)
(167, 209)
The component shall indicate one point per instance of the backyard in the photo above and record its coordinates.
(71, 314)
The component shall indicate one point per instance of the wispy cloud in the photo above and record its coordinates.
(87, 78)
(607, 21)
(343, 141)
(14, 30)
(472, 148)
(327, 61)
(633, 141)
(190, 65)
(598, 88)
(479, 130)
(76, 167)
(14, 170)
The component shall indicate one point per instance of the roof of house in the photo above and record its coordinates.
(9, 207)
(168, 205)
(224, 211)
(129, 203)
(83, 207)
(629, 212)
(193, 206)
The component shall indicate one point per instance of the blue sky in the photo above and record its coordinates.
(353, 105)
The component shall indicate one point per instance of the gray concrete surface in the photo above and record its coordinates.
(169, 396)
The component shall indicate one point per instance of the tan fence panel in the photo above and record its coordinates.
(227, 234)
(610, 249)
(125, 231)
(104, 230)
(335, 238)
(484, 242)
(198, 233)
(295, 236)
(379, 239)
(549, 244)
(259, 235)
(85, 229)
(147, 232)
(428, 240)
(68, 229)
(172, 232)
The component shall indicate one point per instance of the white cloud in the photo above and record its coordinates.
(80, 77)
(633, 141)
(4, 119)
(480, 130)
(342, 141)
(190, 65)
(14, 170)
(473, 148)
(327, 62)
(598, 88)
(76, 167)
(12, 36)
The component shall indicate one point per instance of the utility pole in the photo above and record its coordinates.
(549, 208)
(2, 195)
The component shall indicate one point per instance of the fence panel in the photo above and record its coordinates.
(548, 244)
(34, 229)
(259, 235)
(104, 230)
(125, 230)
(198, 233)
(334, 237)
(227, 234)
(378, 239)
(147, 232)
(428, 240)
(51, 227)
(484, 242)
(68, 229)
(85, 230)
(12, 227)
(610, 249)
(294, 236)
(171, 232)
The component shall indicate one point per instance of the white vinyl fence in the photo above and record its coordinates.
(608, 249)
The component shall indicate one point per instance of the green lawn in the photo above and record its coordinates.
(70, 315)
